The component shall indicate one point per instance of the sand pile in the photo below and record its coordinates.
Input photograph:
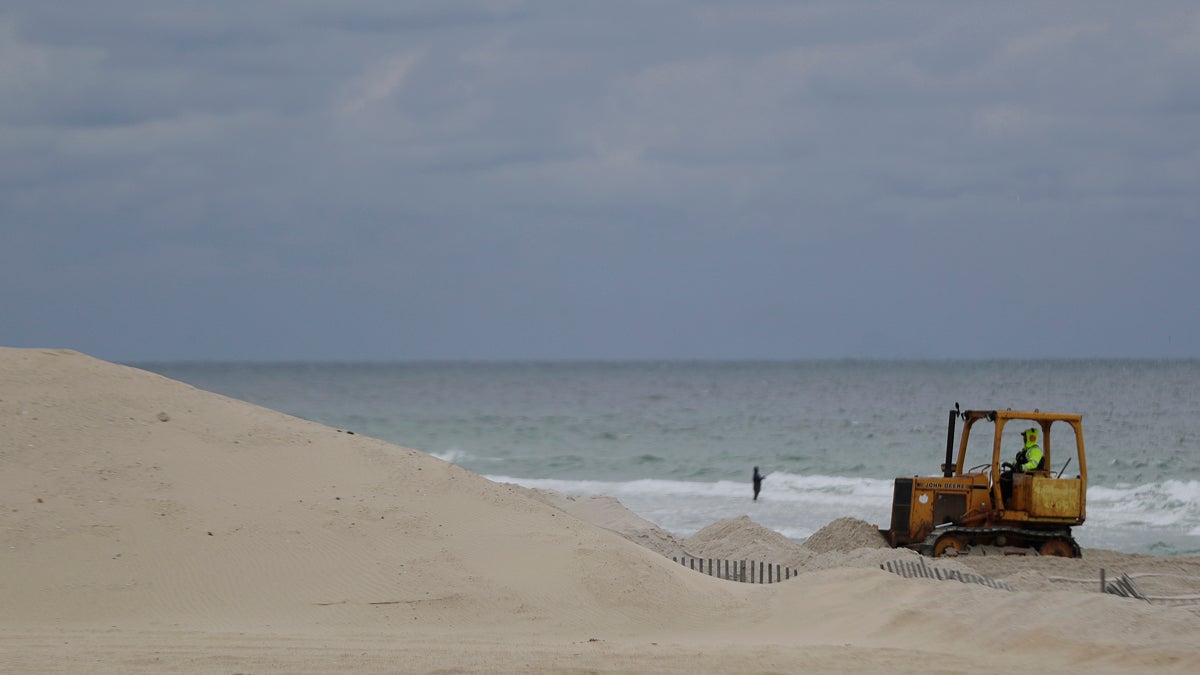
(152, 527)
(738, 538)
(742, 539)
(844, 535)
(131, 499)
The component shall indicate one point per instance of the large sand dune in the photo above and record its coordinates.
(151, 526)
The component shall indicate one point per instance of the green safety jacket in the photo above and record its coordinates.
(1030, 457)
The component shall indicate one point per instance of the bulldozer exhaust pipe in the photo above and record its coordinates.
(948, 468)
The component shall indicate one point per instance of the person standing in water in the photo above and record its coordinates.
(757, 478)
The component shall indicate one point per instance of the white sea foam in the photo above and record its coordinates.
(797, 505)
(1171, 504)
(452, 455)
(793, 505)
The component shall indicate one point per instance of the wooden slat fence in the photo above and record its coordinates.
(1122, 586)
(746, 571)
(918, 569)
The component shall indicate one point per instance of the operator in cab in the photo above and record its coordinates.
(1029, 458)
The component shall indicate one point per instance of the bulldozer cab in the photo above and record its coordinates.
(991, 442)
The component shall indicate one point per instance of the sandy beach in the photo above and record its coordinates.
(149, 526)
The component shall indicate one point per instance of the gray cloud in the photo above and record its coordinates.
(599, 180)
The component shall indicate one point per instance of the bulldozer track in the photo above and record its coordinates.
(1026, 538)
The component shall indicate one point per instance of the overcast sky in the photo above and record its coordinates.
(500, 179)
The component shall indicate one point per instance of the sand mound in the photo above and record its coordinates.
(845, 535)
(227, 514)
(742, 539)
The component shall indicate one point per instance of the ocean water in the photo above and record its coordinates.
(676, 441)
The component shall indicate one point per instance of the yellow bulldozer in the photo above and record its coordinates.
(985, 501)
